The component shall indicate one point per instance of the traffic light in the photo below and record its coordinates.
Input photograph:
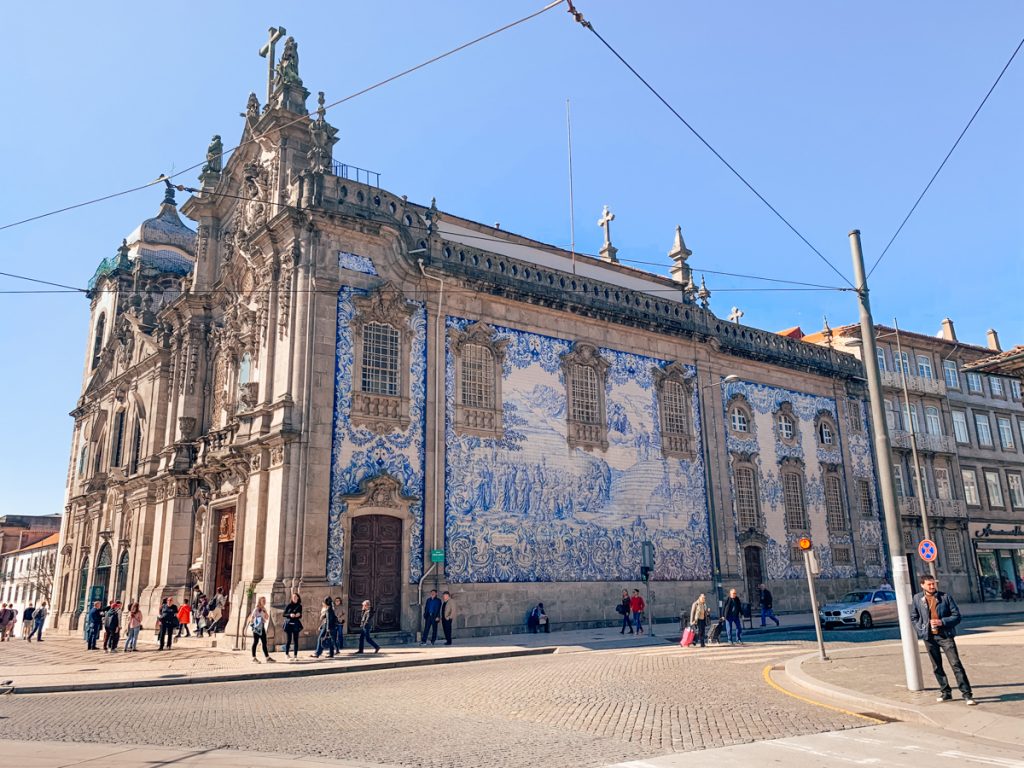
(804, 543)
(645, 573)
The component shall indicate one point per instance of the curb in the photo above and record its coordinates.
(986, 725)
(305, 671)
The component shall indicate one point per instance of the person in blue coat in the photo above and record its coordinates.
(935, 615)
(92, 625)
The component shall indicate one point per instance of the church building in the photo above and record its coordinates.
(317, 385)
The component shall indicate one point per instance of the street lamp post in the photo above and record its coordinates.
(716, 557)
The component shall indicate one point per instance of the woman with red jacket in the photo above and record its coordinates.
(184, 618)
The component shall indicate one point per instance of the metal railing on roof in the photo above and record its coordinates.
(355, 173)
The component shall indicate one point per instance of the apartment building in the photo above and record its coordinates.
(968, 428)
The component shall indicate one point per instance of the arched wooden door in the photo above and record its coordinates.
(375, 571)
(753, 569)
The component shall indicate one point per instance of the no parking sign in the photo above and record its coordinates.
(927, 550)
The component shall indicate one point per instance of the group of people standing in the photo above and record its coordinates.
(33, 619)
(734, 610)
(631, 608)
(438, 610)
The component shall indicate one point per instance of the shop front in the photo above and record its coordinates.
(999, 550)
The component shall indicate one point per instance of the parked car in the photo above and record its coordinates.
(861, 608)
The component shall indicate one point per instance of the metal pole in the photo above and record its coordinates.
(716, 563)
(883, 458)
(913, 449)
(650, 621)
(814, 605)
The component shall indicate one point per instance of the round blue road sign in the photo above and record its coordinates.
(927, 550)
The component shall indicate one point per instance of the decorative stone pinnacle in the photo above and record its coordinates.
(169, 193)
(704, 294)
(679, 253)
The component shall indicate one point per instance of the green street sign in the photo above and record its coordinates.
(437, 555)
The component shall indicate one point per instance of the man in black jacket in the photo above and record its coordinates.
(431, 617)
(168, 621)
(935, 615)
(764, 600)
(732, 610)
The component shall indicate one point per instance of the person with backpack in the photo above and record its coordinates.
(168, 621)
(365, 625)
(624, 610)
(732, 611)
(327, 630)
(292, 624)
(636, 608)
(26, 621)
(259, 624)
(112, 628)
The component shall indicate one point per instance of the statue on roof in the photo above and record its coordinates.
(252, 110)
(214, 154)
(288, 67)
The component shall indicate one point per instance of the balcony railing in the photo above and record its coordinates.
(355, 173)
(934, 507)
(917, 384)
(925, 441)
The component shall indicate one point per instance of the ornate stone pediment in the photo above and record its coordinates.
(380, 492)
(385, 305)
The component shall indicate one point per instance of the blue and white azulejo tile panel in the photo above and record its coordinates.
(528, 508)
(356, 263)
(359, 454)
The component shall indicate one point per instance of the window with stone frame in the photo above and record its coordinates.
(951, 373)
(872, 556)
(1016, 487)
(908, 538)
(826, 430)
(855, 414)
(865, 499)
(97, 344)
(135, 454)
(796, 556)
(954, 552)
(793, 499)
(741, 419)
(117, 440)
(841, 555)
(585, 373)
(478, 358)
(381, 336)
(971, 493)
(674, 405)
(786, 424)
(747, 511)
(835, 514)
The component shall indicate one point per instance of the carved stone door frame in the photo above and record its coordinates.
(381, 495)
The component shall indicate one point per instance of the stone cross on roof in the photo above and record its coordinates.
(267, 52)
(608, 250)
(736, 315)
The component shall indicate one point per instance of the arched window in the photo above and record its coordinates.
(136, 449)
(826, 433)
(102, 576)
(835, 516)
(97, 343)
(477, 381)
(117, 440)
(122, 576)
(746, 498)
(380, 359)
(83, 584)
(585, 373)
(786, 427)
(793, 500)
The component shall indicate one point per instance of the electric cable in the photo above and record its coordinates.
(945, 159)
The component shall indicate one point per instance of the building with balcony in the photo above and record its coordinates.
(968, 423)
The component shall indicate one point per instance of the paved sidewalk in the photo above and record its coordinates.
(872, 680)
(62, 663)
(54, 754)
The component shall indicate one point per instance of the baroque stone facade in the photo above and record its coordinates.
(330, 389)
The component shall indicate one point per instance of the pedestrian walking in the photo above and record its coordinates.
(365, 625)
(935, 615)
(431, 617)
(259, 625)
(538, 618)
(700, 612)
(92, 625)
(292, 624)
(112, 628)
(636, 609)
(26, 621)
(132, 621)
(764, 600)
(339, 625)
(7, 619)
(624, 610)
(326, 632)
(448, 615)
(217, 610)
(732, 611)
(201, 613)
(184, 618)
(38, 619)
(1020, 587)
(168, 621)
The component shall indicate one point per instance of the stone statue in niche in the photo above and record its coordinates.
(214, 157)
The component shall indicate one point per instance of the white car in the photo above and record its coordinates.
(860, 608)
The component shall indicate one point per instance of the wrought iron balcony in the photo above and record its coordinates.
(925, 441)
(917, 384)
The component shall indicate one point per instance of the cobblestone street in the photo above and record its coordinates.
(587, 708)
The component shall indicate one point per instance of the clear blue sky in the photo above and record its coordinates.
(837, 112)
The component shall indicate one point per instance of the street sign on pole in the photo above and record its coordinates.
(927, 550)
(646, 568)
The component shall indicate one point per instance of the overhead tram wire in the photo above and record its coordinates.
(946, 158)
(587, 25)
(300, 119)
